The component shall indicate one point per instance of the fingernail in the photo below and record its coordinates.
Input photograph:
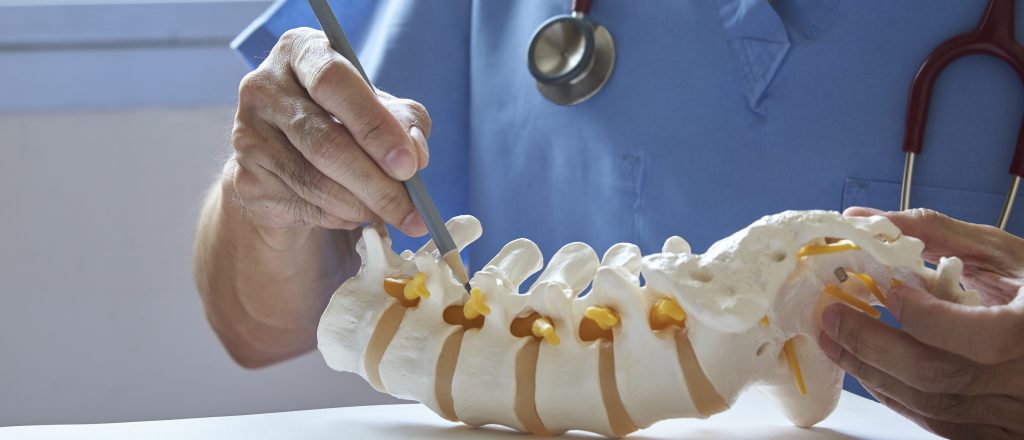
(413, 225)
(830, 320)
(420, 140)
(830, 347)
(402, 163)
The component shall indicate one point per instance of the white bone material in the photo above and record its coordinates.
(745, 300)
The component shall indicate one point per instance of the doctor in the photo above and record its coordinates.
(716, 113)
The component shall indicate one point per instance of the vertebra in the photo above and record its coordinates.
(701, 330)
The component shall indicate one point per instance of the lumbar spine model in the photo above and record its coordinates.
(701, 330)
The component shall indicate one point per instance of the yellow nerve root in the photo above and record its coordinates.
(838, 293)
(667, 312)
(764, 322)
(416, 288)
(895, 283)
(542, 328)
(871, 285)
(604, 317)
(821, 249)
(475, 306)
(794, 367)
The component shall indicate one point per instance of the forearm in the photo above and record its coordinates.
(264, 289)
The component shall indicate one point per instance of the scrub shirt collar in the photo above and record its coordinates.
(761, 33)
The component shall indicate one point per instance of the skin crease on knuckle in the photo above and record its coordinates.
(333, 153)
(254, 90)
(949, 408)
(243, 140)
(326, 78)
(339, 158)
(350, 208)
(328, 147)
(412, 113)
(333, 80)
(375, 131)
(388, 202)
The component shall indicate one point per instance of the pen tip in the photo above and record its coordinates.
(468, 288)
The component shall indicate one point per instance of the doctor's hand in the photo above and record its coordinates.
(315, 147)
(955, 370)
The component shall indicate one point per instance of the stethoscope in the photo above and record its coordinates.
(571, 56)
(993, 36)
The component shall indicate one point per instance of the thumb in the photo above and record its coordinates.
(943, 236)
(987, 335)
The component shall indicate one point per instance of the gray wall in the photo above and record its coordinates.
(99, 192)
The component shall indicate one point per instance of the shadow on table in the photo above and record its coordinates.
(425, 431)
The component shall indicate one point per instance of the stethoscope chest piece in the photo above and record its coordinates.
(571, 57)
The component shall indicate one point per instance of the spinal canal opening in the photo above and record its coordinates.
(521, 326)
(535, 325)
(454, 315)
(597, 323)
(395, 288)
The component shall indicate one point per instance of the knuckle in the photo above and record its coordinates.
(302, 121)
(327, 146)
(390, 203)
(243, 140)
(868, 375)
(243, 179)
(332, 194)
(419, 115)
(322, 191)
(372, 131)
(252, 86)
(324, 81)
(295, 36)
(244, 185)
(359, 212)
(928, 217)
(952, 408)
(249, 191)
(855, 339)
(944, 376)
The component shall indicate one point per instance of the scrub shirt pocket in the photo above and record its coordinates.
(970, 206)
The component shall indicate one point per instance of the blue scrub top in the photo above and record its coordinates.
(717, 113)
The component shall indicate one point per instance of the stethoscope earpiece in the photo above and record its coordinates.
(571, 57)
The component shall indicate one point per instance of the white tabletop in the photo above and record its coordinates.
(752, 417)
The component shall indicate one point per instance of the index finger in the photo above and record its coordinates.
(335, 84)
(944, 236)
(988, 335)
(886, 357)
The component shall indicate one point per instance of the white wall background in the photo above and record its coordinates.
(99, 317)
